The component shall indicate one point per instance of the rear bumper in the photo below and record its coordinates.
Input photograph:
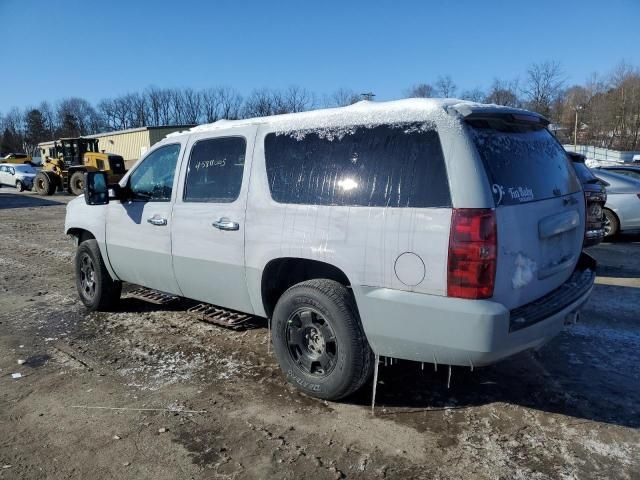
(453, 331)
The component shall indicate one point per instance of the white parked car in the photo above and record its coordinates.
(430, 230)
(17, 175)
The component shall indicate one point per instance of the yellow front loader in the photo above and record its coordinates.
(72, 157)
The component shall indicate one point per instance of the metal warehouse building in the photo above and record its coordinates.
(131, 144)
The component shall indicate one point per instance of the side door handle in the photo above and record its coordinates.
(225, 224)
(157, 221)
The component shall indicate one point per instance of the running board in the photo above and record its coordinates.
(152, 296)
(222, 317)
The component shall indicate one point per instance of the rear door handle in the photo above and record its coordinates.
(226, 224)
(157, 221)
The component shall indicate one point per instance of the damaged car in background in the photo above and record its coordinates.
(595, 196)
(436, 231)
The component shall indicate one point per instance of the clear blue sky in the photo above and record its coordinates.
(96, 49)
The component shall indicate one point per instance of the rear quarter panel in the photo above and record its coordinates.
(364, 242)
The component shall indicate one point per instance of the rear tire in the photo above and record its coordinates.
(20, 186)
(76, 183)
(97, 290)
(319, 341)
(44, 184)
(611, 223)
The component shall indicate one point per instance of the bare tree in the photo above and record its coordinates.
(85, 117)
(192, 106)
(543, 85)
(211, 99)
(49, 118)
(474, 95)
(503, 93)
(178, 109)
(230, 103)
(159, 104)
(445, 86)
(420, 90)
(260, 103)
(298, 99)
(341, 98)
(139, 110)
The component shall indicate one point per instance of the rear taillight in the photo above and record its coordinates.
(472, 253)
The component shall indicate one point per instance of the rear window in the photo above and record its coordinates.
(584, 174)
(523, 164)
(382, 166)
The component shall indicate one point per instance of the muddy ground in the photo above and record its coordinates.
(151, 392)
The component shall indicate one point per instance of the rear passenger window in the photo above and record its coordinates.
(382, 166)
(214, 173)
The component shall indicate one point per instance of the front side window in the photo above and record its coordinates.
(382, 166)
(153, 179)
(214, 172)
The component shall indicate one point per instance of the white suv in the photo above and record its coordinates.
(430, 230)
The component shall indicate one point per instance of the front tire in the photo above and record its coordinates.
(97, 290)
(76, 183)
(319, 341)
(44, 184)
(20, 186)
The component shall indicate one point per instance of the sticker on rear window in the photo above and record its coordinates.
(522, 194)
(498, 190)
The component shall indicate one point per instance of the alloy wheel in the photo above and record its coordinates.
(87, 276)
(311, 342)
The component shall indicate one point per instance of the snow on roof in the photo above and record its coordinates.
(360, 113)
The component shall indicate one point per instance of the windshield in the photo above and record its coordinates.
(25, 169)
(524, 164)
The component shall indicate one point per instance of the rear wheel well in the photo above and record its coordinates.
(282, 273)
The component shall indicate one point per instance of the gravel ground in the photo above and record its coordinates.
(151, 392)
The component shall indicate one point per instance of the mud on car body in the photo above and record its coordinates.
(429, 230)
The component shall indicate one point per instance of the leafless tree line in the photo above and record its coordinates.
(24, 129)
(604, 111)
(607, 107)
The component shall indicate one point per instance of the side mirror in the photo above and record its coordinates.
(96, 191)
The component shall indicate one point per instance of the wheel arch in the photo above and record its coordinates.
(616, 214)
(80, 234)
(279, 274)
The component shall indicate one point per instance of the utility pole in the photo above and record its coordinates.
(575, 129)
(368, 96)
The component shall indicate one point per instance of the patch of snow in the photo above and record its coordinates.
(360, 113)
(525, 269)
(620, 452)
